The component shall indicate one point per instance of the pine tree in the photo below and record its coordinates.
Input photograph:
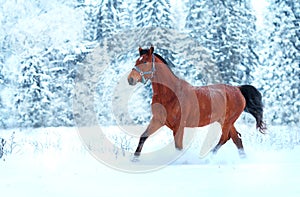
(61, 76)
(114, 16)
(226, 29)
(280, 71)
(153, 14)
(92, 22)
(31, 99)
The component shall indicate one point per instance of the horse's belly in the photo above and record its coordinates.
(212, 107)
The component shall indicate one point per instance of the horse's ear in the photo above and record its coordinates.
(151, 49)
(140, 50)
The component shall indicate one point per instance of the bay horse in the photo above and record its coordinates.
(177, 104)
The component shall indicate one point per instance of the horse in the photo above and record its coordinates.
(177, 104)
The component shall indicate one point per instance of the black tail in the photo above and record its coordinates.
(254, 105)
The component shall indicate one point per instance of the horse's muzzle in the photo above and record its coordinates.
(131, 81)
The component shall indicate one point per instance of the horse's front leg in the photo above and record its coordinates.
(154, 125)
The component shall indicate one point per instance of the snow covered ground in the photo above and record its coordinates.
(54, 162)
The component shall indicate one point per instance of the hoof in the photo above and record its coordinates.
(242, 154)
(135, 159)
(214, 151)
(178, 147)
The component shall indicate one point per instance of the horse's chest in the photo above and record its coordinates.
(172, 110)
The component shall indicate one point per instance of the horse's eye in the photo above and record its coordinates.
(145, 62)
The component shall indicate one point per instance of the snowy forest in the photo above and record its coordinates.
(48, 46)
(65, 102)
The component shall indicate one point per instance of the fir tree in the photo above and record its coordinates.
(31, 99)
(153, 14)
(92, 22)
(114, 16)
(227, 30)
(280, 57)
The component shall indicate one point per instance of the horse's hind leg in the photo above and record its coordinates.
(178, 138)
(235, 136)
(224, 137)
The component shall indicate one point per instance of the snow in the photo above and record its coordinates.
(51, 40)
(260, 9)
(54, 162)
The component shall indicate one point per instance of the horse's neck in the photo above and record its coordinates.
(164, 82)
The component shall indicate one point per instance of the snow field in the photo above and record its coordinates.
(54, 162)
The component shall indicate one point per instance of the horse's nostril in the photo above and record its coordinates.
(130, 81)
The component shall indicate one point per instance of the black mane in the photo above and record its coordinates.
(168, 64)
(145, 51)
(162, 59)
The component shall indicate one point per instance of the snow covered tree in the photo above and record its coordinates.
(36, 37)
(153, 14)
(114, 15)
(32, 101)
(280, 55)
(227, 30)
(92, 22)
(7, 108)
(38, 59)
(2, 144)
(2, 107)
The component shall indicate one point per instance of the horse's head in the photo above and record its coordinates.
(144, 67)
